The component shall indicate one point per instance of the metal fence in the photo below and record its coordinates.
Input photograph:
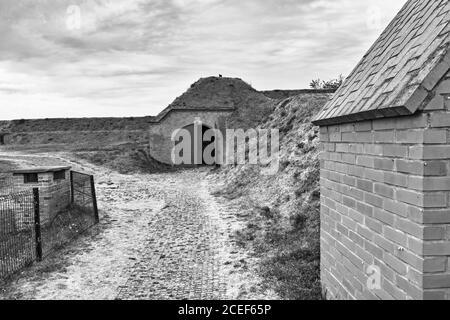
(17, 231)
(83, 193)
(24, 239)
(81, 215)
(6, 184)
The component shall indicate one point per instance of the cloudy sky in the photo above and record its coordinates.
(86, 58)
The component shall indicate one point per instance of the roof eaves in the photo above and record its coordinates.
(40, 170)
(411, 104)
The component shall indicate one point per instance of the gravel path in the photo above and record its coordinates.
(161, 236)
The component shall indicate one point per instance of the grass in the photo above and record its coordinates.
(124, 160)
(293, 268)
(289, 254)
(65, 227)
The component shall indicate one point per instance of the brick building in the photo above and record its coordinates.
(54, 188)
(385, 178)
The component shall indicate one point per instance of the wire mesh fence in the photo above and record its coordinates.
(6, 184)
(25, 236)
(65, 227)
(17, 232)
(78, 217)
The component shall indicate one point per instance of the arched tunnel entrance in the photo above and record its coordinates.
(201, 144)
(2, 139)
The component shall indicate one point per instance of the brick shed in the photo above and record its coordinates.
(385, 166)
(54, 188)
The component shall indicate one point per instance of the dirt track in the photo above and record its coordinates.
(161, 236)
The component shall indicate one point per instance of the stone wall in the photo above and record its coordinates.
(385, 205)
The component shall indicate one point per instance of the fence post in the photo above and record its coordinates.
(94, 200)
(71, 188)
(37, 224)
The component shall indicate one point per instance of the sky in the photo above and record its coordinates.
(114, 58)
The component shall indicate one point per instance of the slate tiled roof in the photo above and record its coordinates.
(397, 74)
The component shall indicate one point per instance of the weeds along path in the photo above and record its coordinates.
(161, 236)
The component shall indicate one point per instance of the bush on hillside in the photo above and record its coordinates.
(330, 84)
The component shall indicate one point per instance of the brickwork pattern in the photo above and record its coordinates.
(385, 202)
(54, 196)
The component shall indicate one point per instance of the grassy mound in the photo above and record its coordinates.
(283, 217)
(250, 106)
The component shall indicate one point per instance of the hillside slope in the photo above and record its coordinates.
(282, 211)
(214, 92)
(226, 93)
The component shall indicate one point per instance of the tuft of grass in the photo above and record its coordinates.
(294, 272)
(289, 255)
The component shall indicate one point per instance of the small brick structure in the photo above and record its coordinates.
(54, 188)
(385, 165)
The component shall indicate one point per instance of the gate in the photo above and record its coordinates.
(18, 235)
(83, 193)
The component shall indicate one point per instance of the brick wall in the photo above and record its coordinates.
(385, 204)
(54, 196)
(435, 184)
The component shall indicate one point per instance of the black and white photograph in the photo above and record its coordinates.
(243, 153)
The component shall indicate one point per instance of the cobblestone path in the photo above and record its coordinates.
(182, 258)
(161, 236)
